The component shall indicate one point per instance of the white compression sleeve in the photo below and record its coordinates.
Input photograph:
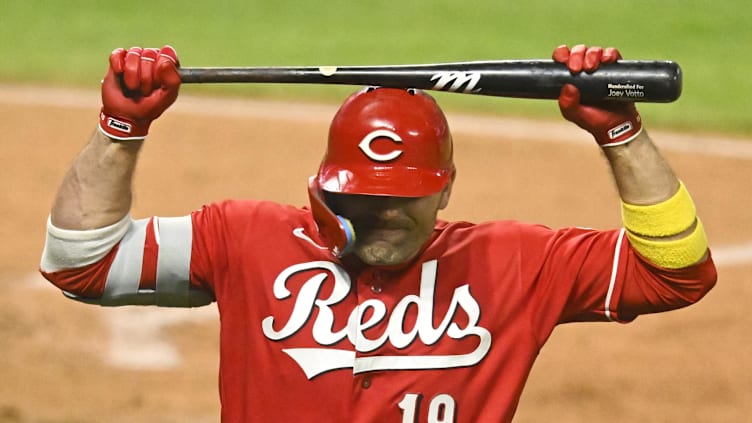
(67, 249)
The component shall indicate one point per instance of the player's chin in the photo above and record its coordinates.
(382, 253)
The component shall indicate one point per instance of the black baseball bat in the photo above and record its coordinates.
(627, 80)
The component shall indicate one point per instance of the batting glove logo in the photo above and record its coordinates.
(620, 130)
(119, 125)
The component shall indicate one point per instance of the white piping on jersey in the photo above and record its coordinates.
(614, 271)
(300, 233)
(155, 228)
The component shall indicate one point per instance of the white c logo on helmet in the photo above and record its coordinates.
(365, 145)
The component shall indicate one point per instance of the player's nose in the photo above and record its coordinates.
(386, 206)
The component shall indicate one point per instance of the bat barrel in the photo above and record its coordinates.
(634, 81)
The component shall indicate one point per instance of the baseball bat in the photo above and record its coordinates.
(627, 80)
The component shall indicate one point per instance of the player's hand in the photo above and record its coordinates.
(611, 123)
(140, 84)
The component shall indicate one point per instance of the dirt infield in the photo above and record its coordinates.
(61, 361)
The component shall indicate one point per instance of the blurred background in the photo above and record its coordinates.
(64, 362)
(67, 43)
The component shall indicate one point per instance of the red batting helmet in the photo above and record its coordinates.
(382, 141)
(386, 141)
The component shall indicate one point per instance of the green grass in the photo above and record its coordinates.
(67, 43)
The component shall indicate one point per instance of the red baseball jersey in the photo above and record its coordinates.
(449, 337)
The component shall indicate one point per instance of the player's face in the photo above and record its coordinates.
(389, 230)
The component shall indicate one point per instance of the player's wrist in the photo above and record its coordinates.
(624, 132)
(122, 129)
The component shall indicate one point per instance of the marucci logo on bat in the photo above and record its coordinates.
(313, 301)
(458, 80)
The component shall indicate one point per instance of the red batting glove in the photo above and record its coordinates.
(610, 123)
(139, 85)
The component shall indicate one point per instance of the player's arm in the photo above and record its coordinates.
(658, 213)
(139, 86)
(94, 251)
(96, 190)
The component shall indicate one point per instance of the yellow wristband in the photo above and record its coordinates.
(666, 218)
(674, 253)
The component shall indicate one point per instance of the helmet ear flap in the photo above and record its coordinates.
(335, 231)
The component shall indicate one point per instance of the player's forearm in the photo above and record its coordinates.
(657, 210)
(139, 86)
(96, 191)
(641, 174)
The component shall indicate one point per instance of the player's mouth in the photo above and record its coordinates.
(387, 231)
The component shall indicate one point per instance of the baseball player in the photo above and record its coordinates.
(364, 306)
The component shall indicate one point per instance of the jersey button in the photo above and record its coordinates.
(376, 288)
(366, 382)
